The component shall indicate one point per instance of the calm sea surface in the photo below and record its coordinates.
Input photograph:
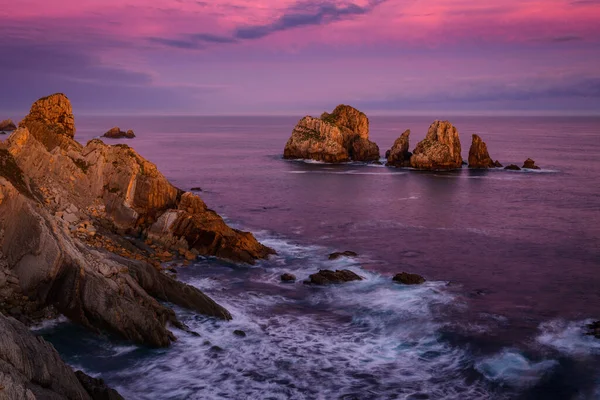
(512, 261)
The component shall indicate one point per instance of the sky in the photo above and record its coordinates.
(288, 57)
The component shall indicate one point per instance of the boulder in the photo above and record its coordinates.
(239, 333)
(117, 133)
(479, 158)
(338, 137)
(336, 255)
(530, 164)
(440, 150)
(7, 125)
(287, 277)
(326, 277)
(593, 329)
(409, 279)
(512, 167)
(398, 155)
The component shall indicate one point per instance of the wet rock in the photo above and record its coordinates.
(593, 329)
(347, 253)
(479, 158)
(409, 279)
(239, 333)
(440, 150)
(96, 388)
(530, 164)
(326, 277)
(7, 125)
(512, 167)
(117, 133)
(340, 136)
(287, 277)
(398, 155)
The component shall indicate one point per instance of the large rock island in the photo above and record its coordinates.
(440, 150)
(338, 137)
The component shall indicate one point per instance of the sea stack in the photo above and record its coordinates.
(479, 158)
(398, 155)
(440, 150)
(338, 137)
(117, 133)
(530, 164)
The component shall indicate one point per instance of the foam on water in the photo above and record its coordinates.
(569, 338)
(513, 368)
(351, 172)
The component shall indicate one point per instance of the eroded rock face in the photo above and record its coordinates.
(326, 277)
(408, 279)
(7, 125)
(398, 155)
(479, 158)
(117, 133)
(530, 164)
(340, 136)
(440, 150)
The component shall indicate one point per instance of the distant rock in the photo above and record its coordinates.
(593, 329)
(398, 155)
(336, 255)
(440, 150)
(512, 167)
(530, 164)
(196, 189)
(338, 137)
(479, 158)
(497, 164)
(117, 133)
(409, 279)
(287, 277)
(7, 125)
(326, 277)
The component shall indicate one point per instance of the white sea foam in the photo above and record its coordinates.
(351, 172)
(48, 324)
(569, 338)
(513, 368)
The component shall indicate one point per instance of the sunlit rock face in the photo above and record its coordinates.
(440, 150)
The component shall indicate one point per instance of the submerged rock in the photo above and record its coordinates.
(479, 158)
(117, 133)
(338, 137)
(347, 253)
(325, 277)
(398, 155)
(7, 125)
(440, 150)
(287, 277)
(512, 167)
(409, 279)
(530, 164)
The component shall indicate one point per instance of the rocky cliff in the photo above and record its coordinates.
(440, 150)
(340, 136)
(398, 155)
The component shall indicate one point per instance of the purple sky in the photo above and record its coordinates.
(298, 57)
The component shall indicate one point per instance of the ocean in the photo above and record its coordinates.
(511, 258)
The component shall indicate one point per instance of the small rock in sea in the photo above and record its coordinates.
(287, 277)
(409, 279)
(239, 333)
(216, 349)
(513, 167)
(497, 164)
(7, 126)
(196, 189)
(336, 255)
(117, 133)
(325, 277)
(593, 329)
(398, 155)
(530, 164)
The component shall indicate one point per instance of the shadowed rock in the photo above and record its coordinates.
(7, 125)
(398, 155)
(335, 256)
(287, 277)
(409, 279)
(440, 150)
(326, 277)
(340, 136)
(479, 158)
(530, 164)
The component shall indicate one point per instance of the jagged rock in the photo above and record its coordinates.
(593, 329)
(117, 133)
(440, 150)
(497, 164)
(96, 388)
(287, 277)
(398, 155)
(409, 279)
(479, 158)
(340, 136)
(512, 167)
(530, 164)
(325, 277)
(336, 255)
(7, 125)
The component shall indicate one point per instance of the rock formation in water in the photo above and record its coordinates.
(398, 155)
(409, 279)
(440, 150)
(326, 277)
(479, 158)
(7, 125)
(338, 137)
(530, 164)
(512, 167)
(347, 253)
(287, 277)
(68, 213)
(30, 368)
(117, 133)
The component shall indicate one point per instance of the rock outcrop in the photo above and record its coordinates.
(440, 150)
(326, 277)
(74, 221)
(338, 137)
(408, 279)
(347, 253)
(398, 155)
(479, 158)
(530, 164)
(7, 126)
(117, 133)
(512, 167)
(30, 368)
